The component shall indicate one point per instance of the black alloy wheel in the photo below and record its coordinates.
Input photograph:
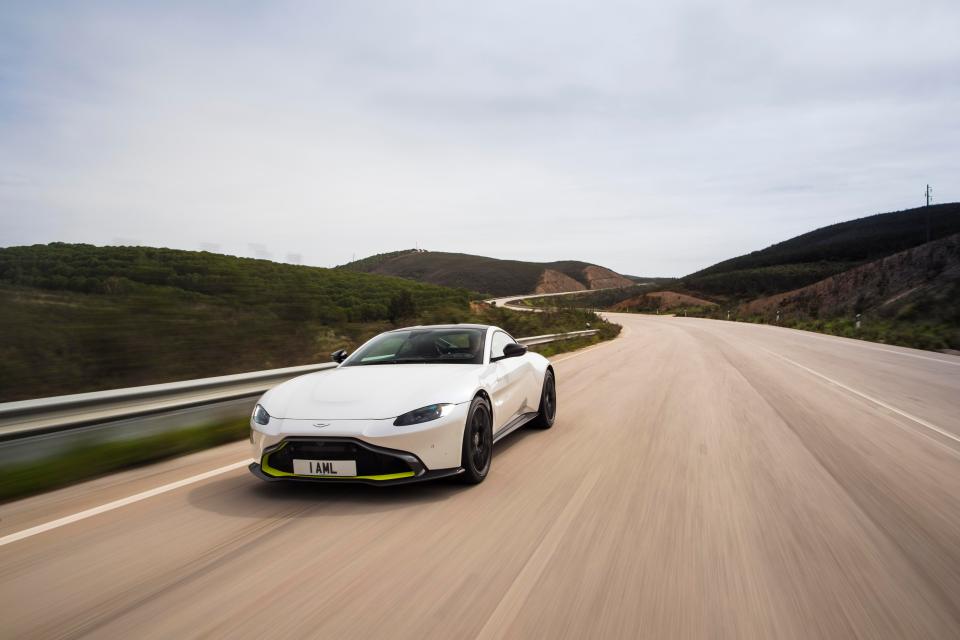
(548, 403)
(477, 442)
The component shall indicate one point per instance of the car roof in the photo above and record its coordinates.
(445, 326)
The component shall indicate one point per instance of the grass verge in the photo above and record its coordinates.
(931, 336)
(93, 459)
(564, 346)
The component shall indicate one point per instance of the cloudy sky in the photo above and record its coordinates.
(655, 138)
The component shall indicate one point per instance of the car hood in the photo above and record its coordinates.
(371, 392)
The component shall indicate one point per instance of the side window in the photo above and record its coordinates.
(500, 340)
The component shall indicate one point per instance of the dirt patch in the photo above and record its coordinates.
(555, 282)
(602, 278)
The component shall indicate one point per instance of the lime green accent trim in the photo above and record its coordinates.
(265, 466)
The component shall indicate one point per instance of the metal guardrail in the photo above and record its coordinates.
(554, 337)
(28, 418)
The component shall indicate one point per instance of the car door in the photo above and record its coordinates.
(509, 393)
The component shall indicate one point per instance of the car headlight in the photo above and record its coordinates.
(260, 415)
(423, 414)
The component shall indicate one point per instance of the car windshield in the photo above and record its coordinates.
(417, 346)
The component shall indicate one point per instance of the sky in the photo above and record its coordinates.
(652, 138)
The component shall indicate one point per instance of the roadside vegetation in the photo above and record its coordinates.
(81, 318)
(926, 317)
(554, 348)
(92, 459)
(918, 335)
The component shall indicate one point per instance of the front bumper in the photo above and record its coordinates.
(435, 444)
(375, 465)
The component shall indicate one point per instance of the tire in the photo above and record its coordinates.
(477, 451)
(547, 412)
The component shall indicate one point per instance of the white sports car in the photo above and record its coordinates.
(409, 405)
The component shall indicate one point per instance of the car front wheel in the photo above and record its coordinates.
(477, 442)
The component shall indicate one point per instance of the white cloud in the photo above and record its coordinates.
(653, 140)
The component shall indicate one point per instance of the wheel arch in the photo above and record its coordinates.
(482, 393)
(549, 370)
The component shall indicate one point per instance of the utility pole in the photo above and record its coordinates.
(929, 195)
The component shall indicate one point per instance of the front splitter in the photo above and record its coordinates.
(256, 470)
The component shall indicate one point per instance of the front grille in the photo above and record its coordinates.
(369, 461)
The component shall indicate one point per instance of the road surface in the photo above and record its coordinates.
(704, 479)
(506, 301)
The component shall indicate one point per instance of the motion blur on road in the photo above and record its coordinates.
(704, 479)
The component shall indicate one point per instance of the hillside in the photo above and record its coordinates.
(816, 255)
(82, 318)
(911, 297)
(661, 302)
(489, 275)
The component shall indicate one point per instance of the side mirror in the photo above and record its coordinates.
(513, 350)
(339, 355)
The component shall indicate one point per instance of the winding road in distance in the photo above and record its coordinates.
(704, 479)
(506, 300)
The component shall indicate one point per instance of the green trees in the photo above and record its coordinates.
(82, 318)
(401, 306)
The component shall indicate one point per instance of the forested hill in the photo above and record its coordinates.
(490, 275)
(81, 318)
(818, 254)
(284, 290)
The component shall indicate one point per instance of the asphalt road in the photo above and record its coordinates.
(704, 479)
(506, 300)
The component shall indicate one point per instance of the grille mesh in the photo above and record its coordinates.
(369, 463)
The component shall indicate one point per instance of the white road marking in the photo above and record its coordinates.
(856, 343)
(116, 504)
(909, 416)
(515, 597)
(862, 344)
(581, 352)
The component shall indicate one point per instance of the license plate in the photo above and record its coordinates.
(325, 467)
